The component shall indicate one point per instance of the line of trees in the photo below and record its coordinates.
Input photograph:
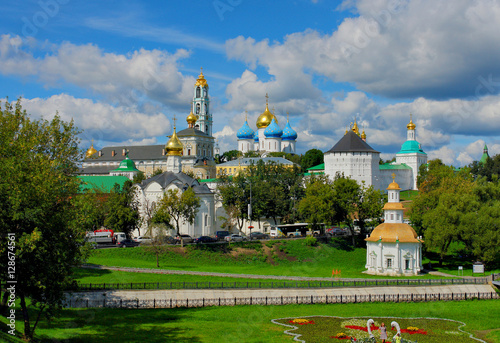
(279, 192)
(459, 207)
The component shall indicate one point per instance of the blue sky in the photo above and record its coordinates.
(123, 69)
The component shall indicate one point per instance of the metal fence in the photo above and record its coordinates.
(277, 284)
(283, 300)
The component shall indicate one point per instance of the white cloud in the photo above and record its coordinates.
(104, 123)
(125, 79)
(431, 48)
(445, 154)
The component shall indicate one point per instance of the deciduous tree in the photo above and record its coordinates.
(176, 206)
(38, 160)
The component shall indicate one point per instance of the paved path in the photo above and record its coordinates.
(182, 294)
(244, 276)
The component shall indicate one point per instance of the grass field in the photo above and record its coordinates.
(245, 323)
(279, 258)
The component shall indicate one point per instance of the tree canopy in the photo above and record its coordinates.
(38, 160)
(176, 206)
(452, 207)
(312, 158)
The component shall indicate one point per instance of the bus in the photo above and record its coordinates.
(296, 230)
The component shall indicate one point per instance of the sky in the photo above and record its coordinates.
(123, 69)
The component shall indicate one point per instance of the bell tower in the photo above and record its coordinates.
(201, 105)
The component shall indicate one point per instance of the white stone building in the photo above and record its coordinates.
(353, 157)
(150, 191)
(393, 248)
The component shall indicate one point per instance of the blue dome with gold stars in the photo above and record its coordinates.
(245, 132)
(256, 137)
(273, 130)
(289, 134)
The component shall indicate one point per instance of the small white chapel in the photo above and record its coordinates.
(393, 248)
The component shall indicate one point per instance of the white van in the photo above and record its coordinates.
(119, 236)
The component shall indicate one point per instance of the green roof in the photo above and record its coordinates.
(207, 180)
(485, 155)
(127, 165)
(391, 166)
(318, 167)
(410, 147)
(102, 182)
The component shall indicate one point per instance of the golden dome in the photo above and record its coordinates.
(394, 232)
(363, 135)
(91, 151)
(266, 117)
(355, 128)
(393, 185)
(174, 145)
(201, 80)
(191, 118)
(410, 125)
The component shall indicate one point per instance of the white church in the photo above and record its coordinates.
(393, 248)
(268, 137)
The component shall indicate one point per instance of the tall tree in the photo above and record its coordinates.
(123, 209)
(312, 158)
(317, 206)
(347, 195)
(38, 160)
(369, 209)
(175, 207)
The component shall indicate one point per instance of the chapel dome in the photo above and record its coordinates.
(289, 134)
(191, 118)
(90, 151)
(410, 125)
(245, 132)
(174, 145)
(265, 118)
(273, 130)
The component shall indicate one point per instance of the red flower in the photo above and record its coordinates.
(361, 328)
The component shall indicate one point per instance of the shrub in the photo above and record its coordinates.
(311, 241)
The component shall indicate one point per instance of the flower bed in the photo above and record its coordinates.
(332, 329)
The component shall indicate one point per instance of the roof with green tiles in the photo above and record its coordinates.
(104, 183)
(393, 166)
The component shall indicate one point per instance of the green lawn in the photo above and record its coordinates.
(280, 257)
(244, 323)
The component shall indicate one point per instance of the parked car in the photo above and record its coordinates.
(335, 231)
(127, 243)
(185, 239)
(258, 235)
(144, 239)
(235, 238)
(220, 235)
(205, 239)
(169, 240)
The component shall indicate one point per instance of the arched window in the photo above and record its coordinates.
(198, 89)
(206, 128)
(197, 108)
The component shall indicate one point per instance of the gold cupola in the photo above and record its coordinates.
(363, 135)
(266, 117)
(191, 119)
(410, 125)
(91, 151)
(174, 146)
(201, 80)
(355, 128)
